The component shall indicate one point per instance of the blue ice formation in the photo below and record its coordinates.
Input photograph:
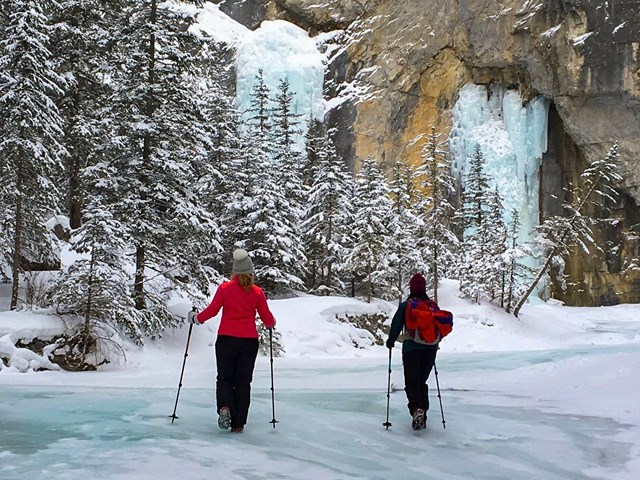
(281, 50)
(513, 138)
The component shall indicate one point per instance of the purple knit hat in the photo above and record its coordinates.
(417, 285)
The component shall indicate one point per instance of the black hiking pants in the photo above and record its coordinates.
(236, 359)
(417, 367)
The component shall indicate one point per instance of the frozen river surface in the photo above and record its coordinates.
(506, 419)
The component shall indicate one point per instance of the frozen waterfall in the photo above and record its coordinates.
(512, 138)
(281, 50)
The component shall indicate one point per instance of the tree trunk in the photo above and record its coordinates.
(146, 157)
(535, 281)
(139, 279)
(74, 162)
(512, 269)
(369, 283)
(17, 238)
(571, 221)
(75, 209)
(435, 274)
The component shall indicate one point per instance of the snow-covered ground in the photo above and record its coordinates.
(553, 395)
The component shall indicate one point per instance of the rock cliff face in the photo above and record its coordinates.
(412, 57)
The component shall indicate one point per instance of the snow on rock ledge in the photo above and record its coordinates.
(22, 359)
(25, 327)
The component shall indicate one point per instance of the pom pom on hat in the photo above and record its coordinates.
(242, 264)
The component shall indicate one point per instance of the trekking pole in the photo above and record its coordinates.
(387, 424)
(444, 423)
(273, 393)
(184, 362)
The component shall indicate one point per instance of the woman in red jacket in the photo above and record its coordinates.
(237, 343)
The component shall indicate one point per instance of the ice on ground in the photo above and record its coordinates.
(550, 395)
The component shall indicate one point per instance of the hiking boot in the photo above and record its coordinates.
(224, 418)
(419, 420)
(237, 429)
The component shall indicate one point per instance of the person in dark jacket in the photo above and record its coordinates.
(419, 347)
(237, 343)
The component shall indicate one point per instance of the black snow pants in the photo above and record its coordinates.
(236, 359)
(417, 367)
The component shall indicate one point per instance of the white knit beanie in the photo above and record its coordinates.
(242, 263)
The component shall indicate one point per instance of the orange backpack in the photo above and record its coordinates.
(426, 323)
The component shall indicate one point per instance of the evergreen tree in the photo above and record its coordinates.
(151, 166)
(244, 172)
(216, 171)
(259, 120)
(95, 287)
(315, 144)
(250, 167)
(406, 258)
(439, 242)
(327, 220)
(493, 232)
(82, 45)
(265, 216)
(369, 258)
(285, 123)
(288, 164)
(30, 133)
(266, 344)
(475, 199)
(559, 234)
(515, 273)
(271, 240)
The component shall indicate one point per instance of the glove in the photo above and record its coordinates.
(390, 344)
(192, 317)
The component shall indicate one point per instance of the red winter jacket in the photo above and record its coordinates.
(239, 308)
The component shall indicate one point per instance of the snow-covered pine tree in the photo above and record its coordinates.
(285, 123)
(493, 231)
(559, 234)
(260, 215)
(241, 189)
(406, 257)
(30, 133)
(96, 286)
(150, 166)
(327, 219)
(266, 344)
(370, 256)
(216, 92)
(270, 239)
(471, 270)
(439, 243)
(252, 164)
(474, 195)
(216, 171)
(81, 51)
(515, 271)
(258, 120)
(315, 139)
(316, 143)
(288, 163)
